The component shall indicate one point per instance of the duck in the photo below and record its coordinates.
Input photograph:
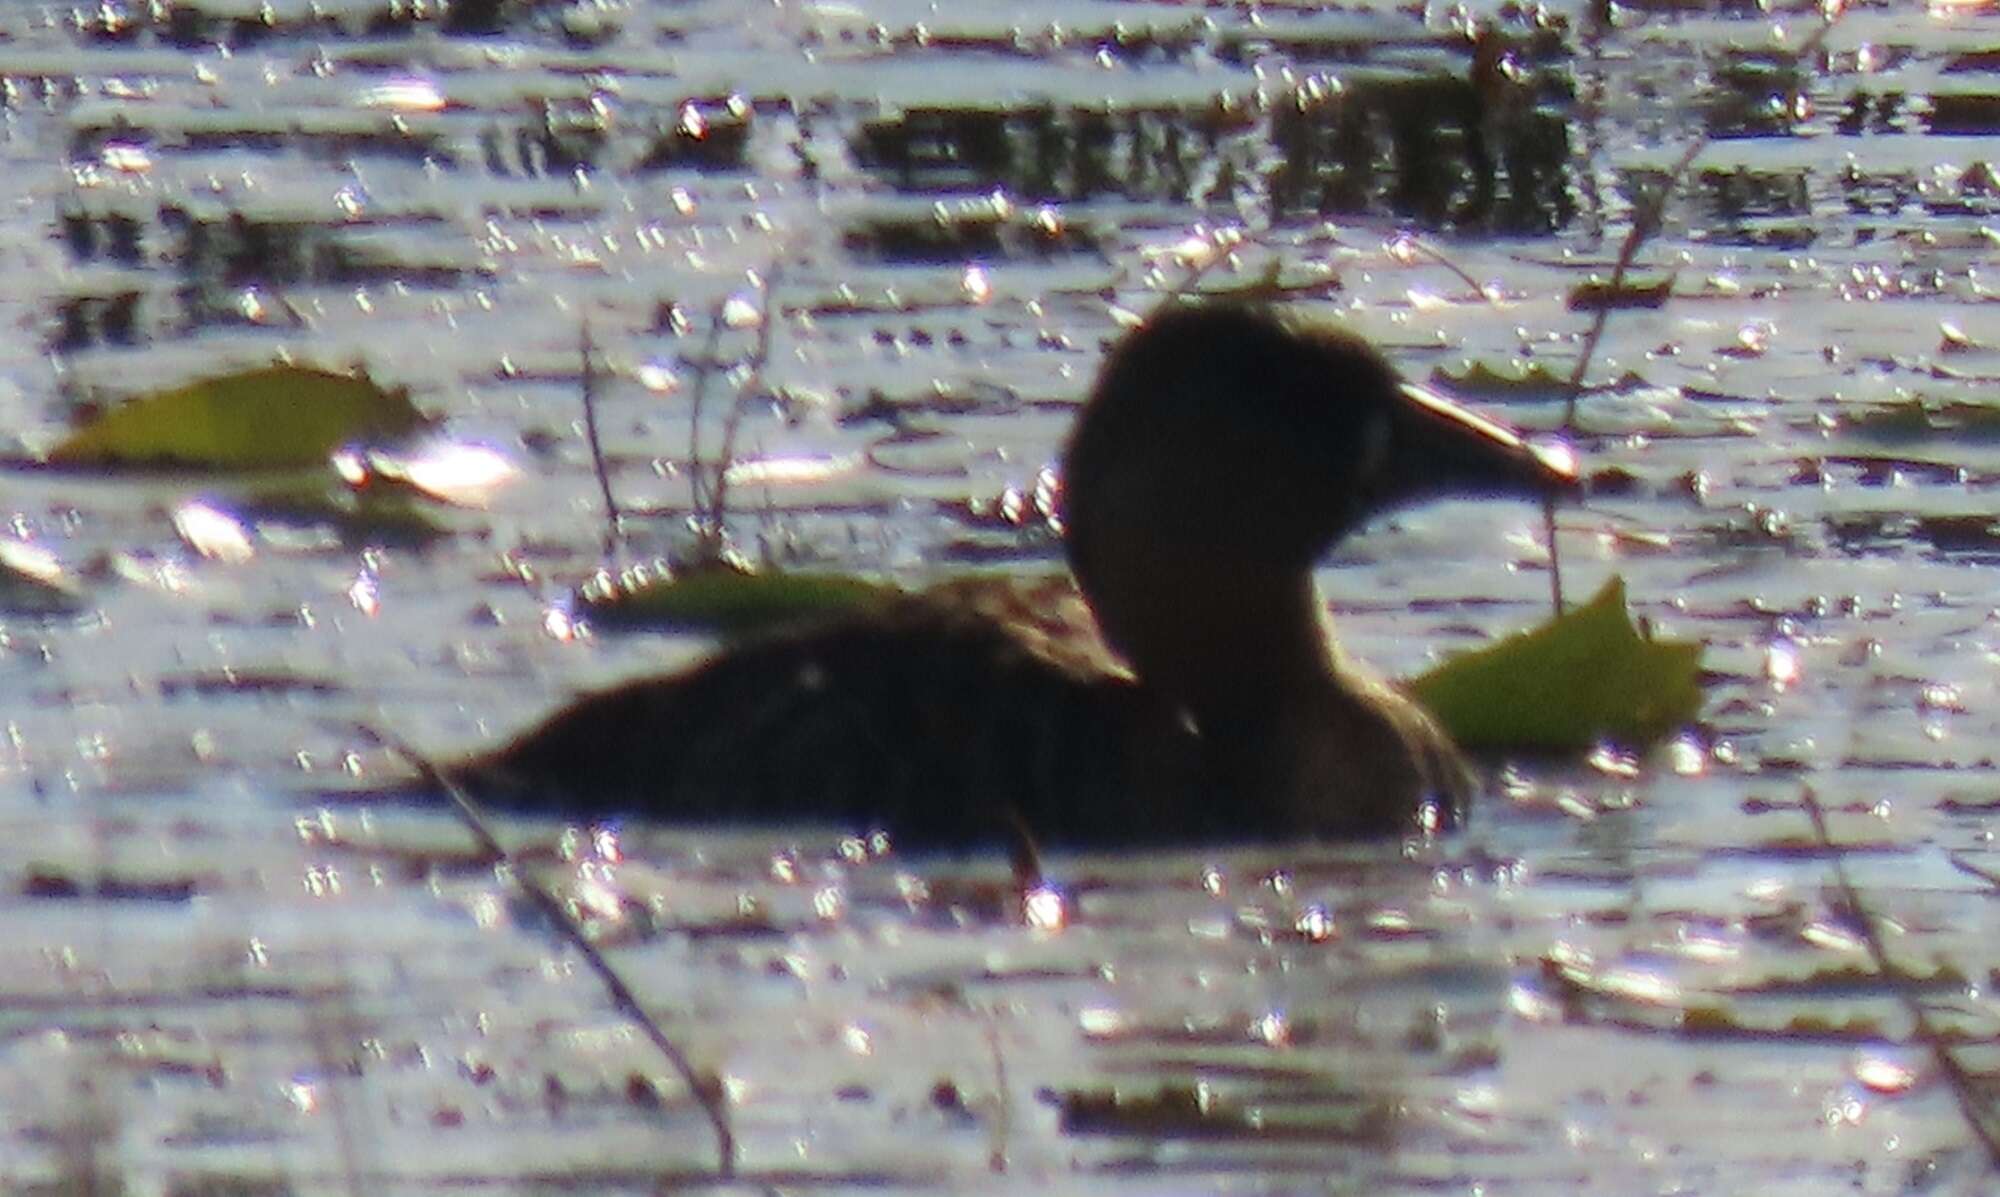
(1182, 685)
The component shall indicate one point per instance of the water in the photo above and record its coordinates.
(1626, 977)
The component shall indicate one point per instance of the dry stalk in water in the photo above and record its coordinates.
(709, 481)
(707, 1093)
(1648, 216)
(1409, 245)
(1964, 1088)
(1646, 220)
(707, 519)
(614, 519)
(746, 390)
(1002, 1125)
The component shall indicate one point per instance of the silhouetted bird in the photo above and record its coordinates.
(1223, 449)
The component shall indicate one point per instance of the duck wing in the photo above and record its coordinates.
(966, 714)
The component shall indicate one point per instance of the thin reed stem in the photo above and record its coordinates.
(706, 1094)
(614, 519)
(1963, 1085)
(746, 392)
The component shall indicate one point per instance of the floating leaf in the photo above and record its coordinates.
(1585, 676)
(277, 417)
(1960, 532)
(33, 581)
(1596, 297)
(1916, 420)
(987, 227)
(304, 518)
(1193, 1112)
(725, 598)
(1516, 378)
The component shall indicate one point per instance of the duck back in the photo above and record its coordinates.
(977, 712)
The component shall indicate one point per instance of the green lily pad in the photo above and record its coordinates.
(1583, 677)
(276, 417)
(725, 599)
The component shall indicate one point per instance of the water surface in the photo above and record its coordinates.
(1628, 976)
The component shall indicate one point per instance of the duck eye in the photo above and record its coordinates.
(1374, 457)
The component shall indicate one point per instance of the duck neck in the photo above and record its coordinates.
(1231, 645)
(1291, 728)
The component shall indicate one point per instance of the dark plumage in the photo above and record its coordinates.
(1223, 449)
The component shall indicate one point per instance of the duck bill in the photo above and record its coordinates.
(1445, 447)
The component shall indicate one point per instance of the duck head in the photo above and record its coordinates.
(1222, 451)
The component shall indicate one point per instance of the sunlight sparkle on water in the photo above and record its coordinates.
(1833, 937)
(1685, 757)
(657, 377)
(1391, 922)
(1704, 947)
(912, 889)
(791, 471)
(605, 844)
(1937, 696)
(405, 94)
(214, 533)
(365, 592)
(1273, 1029)
(1101, 1022)
(1885, 1074)
(1479, 1101)
(597, 892)
(303, 1096)
(1844, 1107)
(37, 562)
(1781, 664)
(1636, 984)
(829, 903)
(1531, 1003)
(1559, 456)
(317, 828)
(1768, 890)
(977, 286)
(1044, 908)
(1196, 249)
(1315, 925)
(351, 201)
(455, 472)
(1613, 761)
(560, 624)
(126, 158)
(486, 910)
(741, 311)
